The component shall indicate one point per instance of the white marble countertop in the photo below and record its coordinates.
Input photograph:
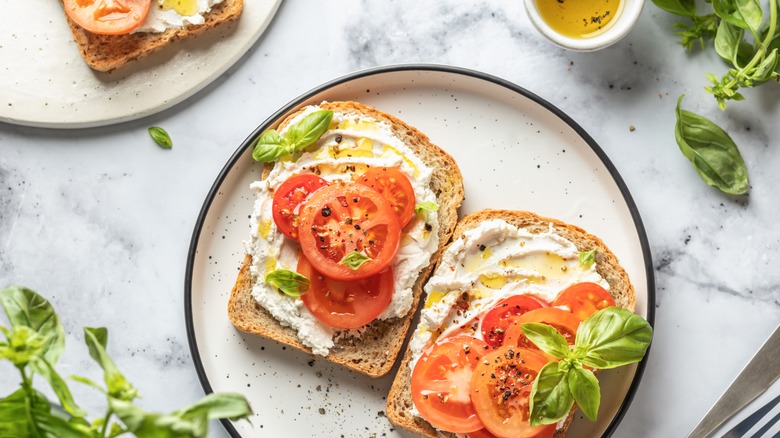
(100, 220)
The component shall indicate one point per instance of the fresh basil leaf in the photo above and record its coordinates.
(309, 129)
(727, 41)
(550, 398)
(766, 69)
(189, 422)
(685, 8)
(425, 207)
(587, 258)
(144, 424)
(712, 152)
(25, 415)
(289, 282)
(354, 260)
(161, 137)
(547, 338)
(584, 387)
(219, 405)
(269, 146)
(116, 383)
(24, 345)
(58, 385)
(613, 337)
(24, 307)
(14, 415)
(745, 14)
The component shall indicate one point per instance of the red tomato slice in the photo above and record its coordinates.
(288, 199)
(547, 432)
(441, 382)
(500, 389)
(343, 304)
(395, 187)
(566, 323)
(584, 299)
(108, 17)
(343, 218)
(497, 319)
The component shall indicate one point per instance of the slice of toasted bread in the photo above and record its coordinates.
(375, 352)
(399, 401)
(109, 52)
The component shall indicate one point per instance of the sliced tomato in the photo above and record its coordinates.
(482, 433)
(395, 187)
(288, 198)
(108, 17)
(584, 299)
(496, 320)
(346, 304)
(566, 323)
(500, 389)
(441, 382)
(344, 218)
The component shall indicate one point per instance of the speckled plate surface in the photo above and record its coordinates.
(46, 83)
(515, 151)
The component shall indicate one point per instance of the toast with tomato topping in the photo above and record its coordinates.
(376, 349)
(109, 52)
(400, 407)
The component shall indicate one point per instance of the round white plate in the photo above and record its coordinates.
(515, 151)
(46, 82)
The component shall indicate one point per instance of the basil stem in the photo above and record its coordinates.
(712, 152)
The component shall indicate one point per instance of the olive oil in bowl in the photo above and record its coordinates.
(579, 18)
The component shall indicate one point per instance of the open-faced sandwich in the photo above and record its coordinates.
(111, 33)
(352, 211)
(520, 312)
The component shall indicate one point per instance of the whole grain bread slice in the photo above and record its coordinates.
(399, 401)
(376, 350)
(109, 52)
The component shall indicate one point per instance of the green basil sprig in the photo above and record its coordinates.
(609, 338)
(712, 152)
(587, 258)
(271, 145)
(354, 260)
(33, 344)
(289, 282)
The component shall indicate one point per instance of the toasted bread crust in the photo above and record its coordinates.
(375, 352)
(108, 52)
(399, 401)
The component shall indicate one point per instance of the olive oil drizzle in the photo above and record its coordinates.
(579, 18)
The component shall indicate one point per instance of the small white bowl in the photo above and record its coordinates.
(619, 27)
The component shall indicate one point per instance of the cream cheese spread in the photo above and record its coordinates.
(161, 18)
(491, 262)
(351, 145)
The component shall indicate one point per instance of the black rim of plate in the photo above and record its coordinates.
(204, 381)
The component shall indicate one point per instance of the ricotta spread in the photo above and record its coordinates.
(351, 145)
(491, 262)
(163, 14)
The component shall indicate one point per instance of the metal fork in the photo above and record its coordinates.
(741, 429)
